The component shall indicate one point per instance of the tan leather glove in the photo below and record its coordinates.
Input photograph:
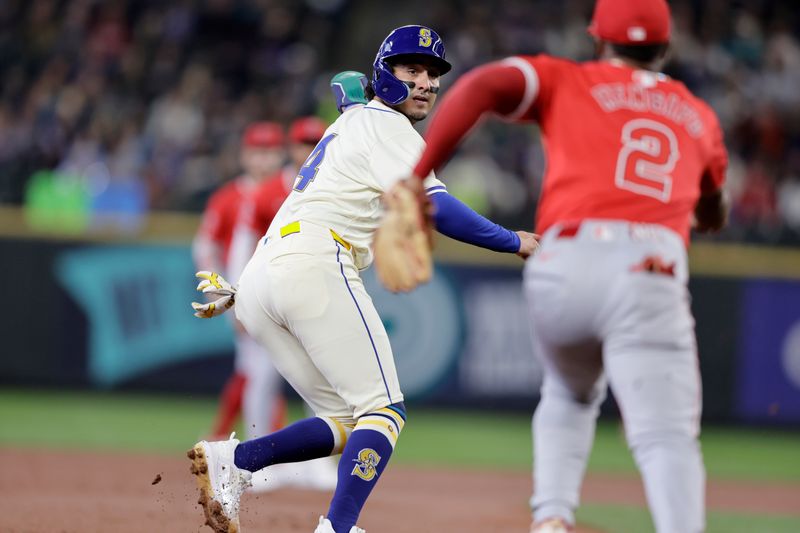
(402, 245)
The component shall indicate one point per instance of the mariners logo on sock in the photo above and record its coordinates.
(367, 460)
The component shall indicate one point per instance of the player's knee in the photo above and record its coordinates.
(651, 440)
(388, 421)
(592, 397)
(585, 391)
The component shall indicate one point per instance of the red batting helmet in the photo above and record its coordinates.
(308, 130)
(631, 22)
(263, 135)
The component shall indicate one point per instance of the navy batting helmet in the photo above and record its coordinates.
(403, 41)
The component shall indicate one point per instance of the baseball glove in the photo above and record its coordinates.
(214, 284)
(402, 244)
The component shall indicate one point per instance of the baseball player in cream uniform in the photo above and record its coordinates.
(301, 295)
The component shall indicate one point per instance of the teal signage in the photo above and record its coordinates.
(137, 300)
(425, 329)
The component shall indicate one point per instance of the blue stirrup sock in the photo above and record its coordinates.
(363, 460)
(306, 439)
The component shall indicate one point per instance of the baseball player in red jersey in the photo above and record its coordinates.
(257, 215)
(262, 154)
(634, 160)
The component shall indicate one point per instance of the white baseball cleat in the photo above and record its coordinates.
(221, 483)
(326, 527)
(552, 525)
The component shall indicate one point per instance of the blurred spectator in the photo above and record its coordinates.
(158, 93)
(789, 196)
(756, 205)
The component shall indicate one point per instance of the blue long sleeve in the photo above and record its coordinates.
(456, 220)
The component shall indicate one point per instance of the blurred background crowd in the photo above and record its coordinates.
(138, 105)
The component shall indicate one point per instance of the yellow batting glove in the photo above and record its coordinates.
(214, 284)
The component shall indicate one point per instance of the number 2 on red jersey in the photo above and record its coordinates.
(647, 158)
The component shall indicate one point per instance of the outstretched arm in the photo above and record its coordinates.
(506, 88)
(458, 221)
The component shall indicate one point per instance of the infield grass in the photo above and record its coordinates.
(630, 519)
(166, 423)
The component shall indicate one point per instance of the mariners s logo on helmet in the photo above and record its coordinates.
(366, 464)
(425, 38)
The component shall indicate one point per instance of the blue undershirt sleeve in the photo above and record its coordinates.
(456, 220)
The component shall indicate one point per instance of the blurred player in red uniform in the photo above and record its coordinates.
(262, 154)
(267, 399)
(634, 160)
(304, 134)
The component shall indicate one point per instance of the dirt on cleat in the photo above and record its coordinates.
(212, 509)
(215, 517)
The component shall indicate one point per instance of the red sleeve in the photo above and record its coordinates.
(497, 87)
(517, 88)
(714, 176)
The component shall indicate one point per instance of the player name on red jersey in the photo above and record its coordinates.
(636, 96)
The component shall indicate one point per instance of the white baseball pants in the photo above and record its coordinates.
(598, 313)
(301, 297)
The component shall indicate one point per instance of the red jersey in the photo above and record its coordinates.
(222, 212)
(621, 143)
(266, 200)
(255, 217)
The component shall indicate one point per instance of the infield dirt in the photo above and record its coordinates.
(46, 491)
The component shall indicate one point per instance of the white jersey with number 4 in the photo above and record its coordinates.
(340, 185)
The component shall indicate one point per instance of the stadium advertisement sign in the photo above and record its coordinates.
(465, 332)
(769, 352)
(119, 316)
(463, 336)
(137, 301)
